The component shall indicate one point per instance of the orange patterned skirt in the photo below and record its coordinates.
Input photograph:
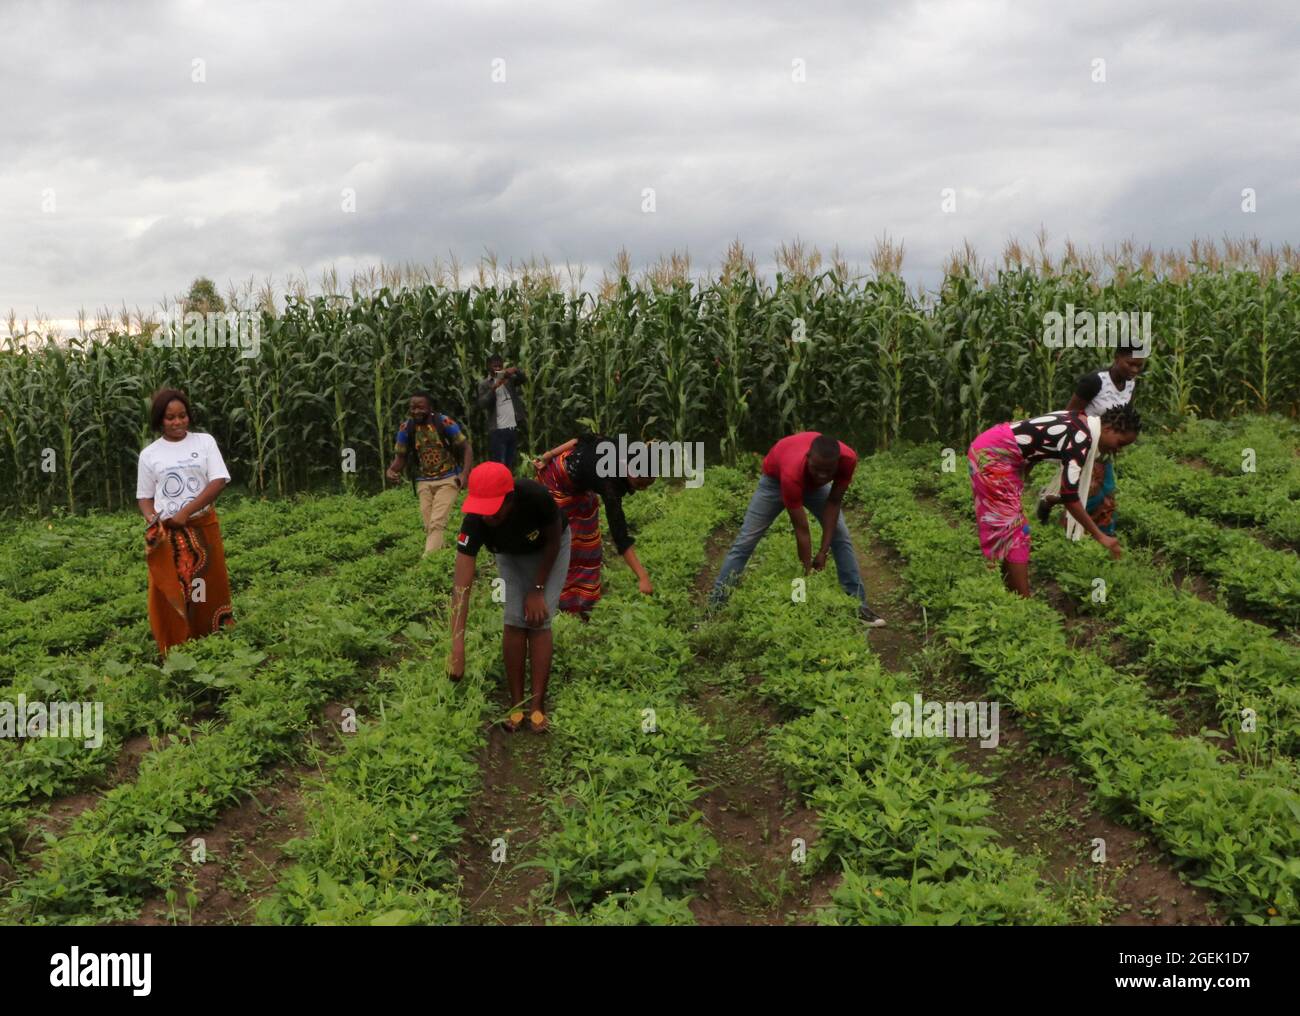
(582, 583)
(189, 589)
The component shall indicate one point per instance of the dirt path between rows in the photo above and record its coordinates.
(746, 805)
(1039, 805)
(508, 812)
(243, 850)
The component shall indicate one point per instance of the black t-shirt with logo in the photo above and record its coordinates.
(522, 533)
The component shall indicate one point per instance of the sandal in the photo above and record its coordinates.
(513, 722)
(539, 722)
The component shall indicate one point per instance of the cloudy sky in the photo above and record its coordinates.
(123, 177)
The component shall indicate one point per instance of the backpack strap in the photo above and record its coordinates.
(440, 424)
(412, 464)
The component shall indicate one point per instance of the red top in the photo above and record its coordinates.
(785, 463)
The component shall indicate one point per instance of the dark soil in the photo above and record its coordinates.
(59, 813)
(1040, 807)
(755, 818)
(244, 856)
(510, 807)
(244, 848)
(749, 809)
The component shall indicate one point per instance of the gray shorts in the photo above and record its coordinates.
(520, 574)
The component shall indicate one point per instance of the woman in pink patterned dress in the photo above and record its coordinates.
(1001, 457)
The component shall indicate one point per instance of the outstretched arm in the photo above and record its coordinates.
(540, 463)
(830, 519)
(802, 539)
(1081, 516)
(642, 576)
(462, 580)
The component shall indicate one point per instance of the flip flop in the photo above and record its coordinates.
(539, 722)
(514, 722)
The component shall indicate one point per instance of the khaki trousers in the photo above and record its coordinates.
(436, 499)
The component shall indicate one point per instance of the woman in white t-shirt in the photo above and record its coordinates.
(1095, 394)
(178, 480)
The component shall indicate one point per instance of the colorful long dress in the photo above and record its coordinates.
(573, 479)
(999, 459)
(179, 607)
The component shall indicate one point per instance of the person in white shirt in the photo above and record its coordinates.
(177, 483)
(500, 398)
(1094, 394)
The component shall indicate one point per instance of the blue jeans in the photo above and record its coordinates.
(503, 446)
(763, 509)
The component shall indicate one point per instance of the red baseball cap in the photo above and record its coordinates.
(489, 483)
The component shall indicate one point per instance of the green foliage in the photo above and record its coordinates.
(889, 808)
(384, 819)
(1248, 573)
(1234, 824)
(294, 650)
(715, 361)
(622, 910)
(203, 297)
(626, 844)
(872, 901)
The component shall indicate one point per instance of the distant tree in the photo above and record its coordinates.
(203, 298)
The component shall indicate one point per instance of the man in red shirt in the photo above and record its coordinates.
(806, 470)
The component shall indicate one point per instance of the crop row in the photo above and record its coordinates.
(626, 844)
(1235, 825)
(1250, 575)
(1249, 499)
(1265, 444)
(383, 821)
(51, 556)
(129, 844)
(91, 602)
(139, 695)
(1175, 636)
(902, 816)
(671, 356)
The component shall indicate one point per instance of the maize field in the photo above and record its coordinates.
(732, 361)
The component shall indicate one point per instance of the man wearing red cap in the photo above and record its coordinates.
(518, 521)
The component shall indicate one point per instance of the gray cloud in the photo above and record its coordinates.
(158, 179)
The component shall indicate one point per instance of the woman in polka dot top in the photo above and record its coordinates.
(1000, 460)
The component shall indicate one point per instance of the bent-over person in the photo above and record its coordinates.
(519, 522)
(573, 473)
